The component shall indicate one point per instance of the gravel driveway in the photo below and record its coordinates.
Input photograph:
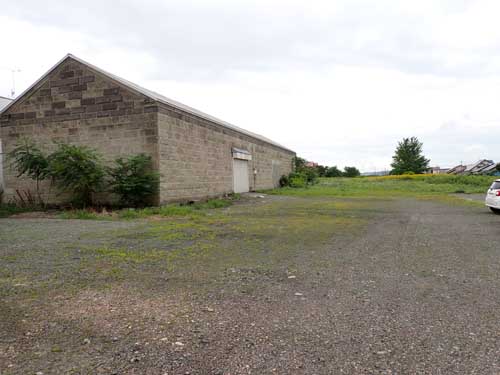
(299, 286)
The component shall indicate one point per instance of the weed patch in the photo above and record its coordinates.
(7, 210)
(129, 255)
(170, 210)
(84, 215)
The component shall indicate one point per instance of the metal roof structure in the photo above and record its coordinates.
(150, 94)
(483, 166)
(457, 169)
(477, 166)
(4, 102)
(488, 169)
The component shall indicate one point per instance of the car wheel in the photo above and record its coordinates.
(495, 210)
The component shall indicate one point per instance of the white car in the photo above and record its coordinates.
(493, 197)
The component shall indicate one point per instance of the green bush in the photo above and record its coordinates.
(298, 180)
(28, 160)
(284, 181)
(77, 169)
(311, 175)
(134, 180)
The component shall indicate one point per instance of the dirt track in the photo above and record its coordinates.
(292, 286)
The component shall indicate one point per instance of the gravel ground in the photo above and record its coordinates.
(388, 286)
(472, 197)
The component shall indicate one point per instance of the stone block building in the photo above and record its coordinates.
(197, 155)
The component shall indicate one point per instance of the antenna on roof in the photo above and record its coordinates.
(13, 71)
(13, 90)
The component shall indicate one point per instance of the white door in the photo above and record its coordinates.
(240, 176)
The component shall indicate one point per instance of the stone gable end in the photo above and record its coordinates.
(78, 105)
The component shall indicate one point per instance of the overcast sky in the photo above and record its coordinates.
(338, 81)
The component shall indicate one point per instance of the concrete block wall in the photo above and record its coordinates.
(77, 105)
(196, 159)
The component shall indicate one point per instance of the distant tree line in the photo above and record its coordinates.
(325, 171)
(408, 159)
(305, 173)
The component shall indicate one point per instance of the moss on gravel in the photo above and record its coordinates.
(298, 273)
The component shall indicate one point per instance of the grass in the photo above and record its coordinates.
(173, 209)
(423, 186)
(82, 215)
(390, 186)
(7, 210)
(169, 210)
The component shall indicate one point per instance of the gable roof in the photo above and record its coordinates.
(4, 102)
(471, 168)
(488, 168)
(457, 169)
(148, 93)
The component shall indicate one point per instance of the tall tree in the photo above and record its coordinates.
(299, 163)
(322, 169)
(409, 158)
(333, 172)
(351, 172)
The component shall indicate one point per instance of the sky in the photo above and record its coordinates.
(340, 81)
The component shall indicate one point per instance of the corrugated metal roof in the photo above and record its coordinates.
(487, 169)
(155, 96)
(471, 168)
(457, 169)
(4, 102)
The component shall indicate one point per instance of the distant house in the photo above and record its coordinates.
(438, 170)
(457, 169)
(481, 167)
(478, 166)
(311, 164)
(376, 173)
(491, 170)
